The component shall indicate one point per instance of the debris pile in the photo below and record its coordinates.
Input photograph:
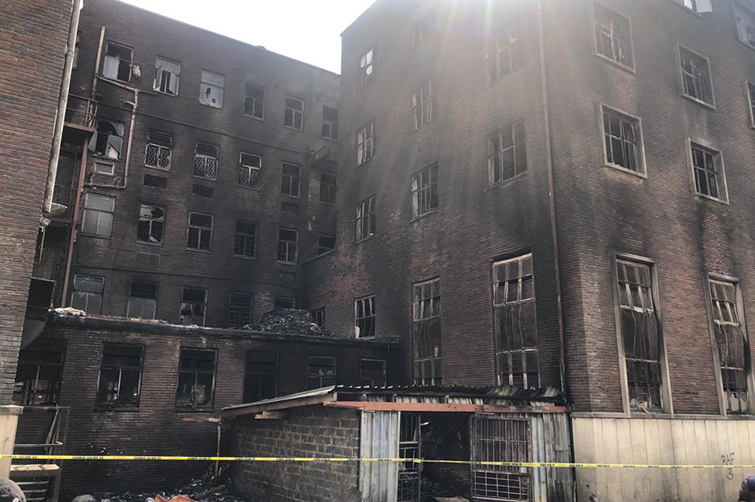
(293, 321)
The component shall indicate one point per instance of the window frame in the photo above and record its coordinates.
(680, 73)
(320, 247)
(333, 125)
(130, 295)
(334, 359)
(749, 11)
(256, 100)
(202, 85)
(514, 47)
(246, 236)
(231, 305)
(365, 77)
(205, 158)
(332, 189)
(96, 138)
(296, 246)
(294, 113)
(100, 405)
(157, 83)
(249, 169)
(205, 303)
(53, 394)
(640, 141)
(631, 68)
(247, 372)
(284, 298)
(367, 204)
(423, 104)
(152, 138)
(719, 159)
(290, 181)
(86, 210)
(101, 293)
(370, 126)
(193, 407)
(362, 376)
(423, 26)
(371, 299)
(105, 55)
(497, 135)
(200, 229)
(417, 191)
(164, 223)
(435, 360)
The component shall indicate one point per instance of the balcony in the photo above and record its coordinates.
(80, 117)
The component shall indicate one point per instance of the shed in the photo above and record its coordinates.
(451, 431)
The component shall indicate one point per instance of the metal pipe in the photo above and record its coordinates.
(57, 138)
(97, 63)
(74, 222)
(552, 198)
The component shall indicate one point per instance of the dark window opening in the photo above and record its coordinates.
(108, 139)
(330, 123)
(319, 316)
(202, 190)
(290, 179)
(364, 317)
(254, 101)
(328, 187)
(245, 243)
(142, 300)
(284, 302)
(294, 113)
(151, 226)
(366, 220)
(260, 376)
(507, 153)
(325, 243)
(193, 306)
(200, 232)
(373, 372)
(425, 191)
(240, 310)
(87, 293)
(155, 181)
(196, 379)
(287, 245)
(426, 333)
(321, 372)
(118, 62)
(38, 376)
(120, 376)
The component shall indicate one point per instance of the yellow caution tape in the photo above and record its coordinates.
(553, 465)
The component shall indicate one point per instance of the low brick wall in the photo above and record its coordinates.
(304, 432)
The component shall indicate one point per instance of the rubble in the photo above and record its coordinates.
(292, 321)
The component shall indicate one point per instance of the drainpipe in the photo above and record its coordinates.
(552, 198)
(74, 222)
(97, 61)
(57, 138)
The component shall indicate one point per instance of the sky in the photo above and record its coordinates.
(307, 30)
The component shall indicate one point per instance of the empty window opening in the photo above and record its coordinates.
(193, 306)
(155, 181)
(422, 28)
(240, 310)
(159, 151)
(516, 340)
(424, 104)
(504, 51)
(507, 153)
(245, 243)
(120, 376)
(97, 218)
(38, 376)
(364, 317)
(211, 89)
(366, 143)
(321, 372)
(319, 316)
(373, 373)
(613, 37)
(202, 191)
(365, 222)
(196, 379)
(329, 123)
(87, 293)
(250, 166)
(696, 79)
(200, 232)
(294, 113)
(290, 179)
(426, 333)
(328, 187)
(118, 62)
(206, 161)
(284, 302)
(623, 141)
(425, 191)
(151, 225)
(287, 245)
(641, 334)
(260, 376)
(142, 300)
(254, 101)
(108, 139)
(167, 75)
(367, 67)
(497, 439)
(325, 243)
(708, 171)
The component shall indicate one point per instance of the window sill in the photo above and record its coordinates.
(330, 139)
(158, 92)
(253, 117)
(424, 215)
(508, 182)
(203, 251)
(613, 62)
(211, 106)
(294, 197)
(153, 244)
(364, 337)
(95, 236)
(203, 178)
(116, 408)
(159, 169)
(293, 128)
(713, 199)
(105, 158)
(371, 236)
(712, 106)
(245, 257)
(642, 175)
(287, 263)
(333, 204)
(246, 187)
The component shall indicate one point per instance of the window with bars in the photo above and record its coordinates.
(425, 191)
(613, 36)
(97, 217)
(151, 226)
(507, 153)
(200, 232)
(245, 243)
(365, 222)
(196, 379)
(159, 151)
(731, 344)
(325, 243)
(641, 334)
(260, 376)
(366, 142)
(373, 372)
(193, 306)
(142, 300)
(697, 83)
(38, 375)
(167, 76)
(288, 245)
(250, 168)
(707, 167)
(108, 139)
(254, 101)
(622, 137)
(87, 293)
(206, 161)
(293, 115)
(211, 89)
(240, 309)
(290, 179)
(120, 376)
(504, 51)
(364, 317)
(424, 104)
(422, 28)
(321, 372)
(426, 333)
(330, 123)
(515, 323)
(496, 439)
(367, 68)
(328, 187)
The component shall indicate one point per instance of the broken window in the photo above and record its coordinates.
(158, 153)
(516, 341)
(641, 334)
(155, 181)
(260, 376)
(425, 191)
(732, 345)
(373, 373)
(118, 62)
(287, 245)
(38, 375)
(97, 218)
(696, 79)
(366, 143)
(507, 153)
(422, 28)
(290, 179)
(321, 372)
(206, 161)
(325, 243)
(696, 5)
(142, 300)
(613, 36)
(365, 223)
(364, 317)
(623, 141)
(426, 333)
(496, 440)
(87, 293)
(250, 166)
(319, 316)
(151, 224)
(424, 104)
(751, 102)
(202, 191)
(708, 170)
(200, 232)
(193, 306)
(108, 139)
(211, 89)
(246, 239)
(254, 101)
(328, 187)
(167, 75)
(504, 51)
(294, 113)
(367, 67)
(240, 310)
(196, 379)
(284, 302)
(330, 123)
(745, 24)
(120, 376)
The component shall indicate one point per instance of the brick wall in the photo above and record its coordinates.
(304, 432)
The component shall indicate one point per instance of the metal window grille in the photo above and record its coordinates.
(707, 174)
(621, 140)
(206, 166)
(239, 310)
(365, 219)
(364, 317)
(507, 153)
(426, 334)
(496, 439)
(613, 37)
(287, 245)
(250, 166)
(366, 143)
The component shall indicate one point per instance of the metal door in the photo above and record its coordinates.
(409, 447)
